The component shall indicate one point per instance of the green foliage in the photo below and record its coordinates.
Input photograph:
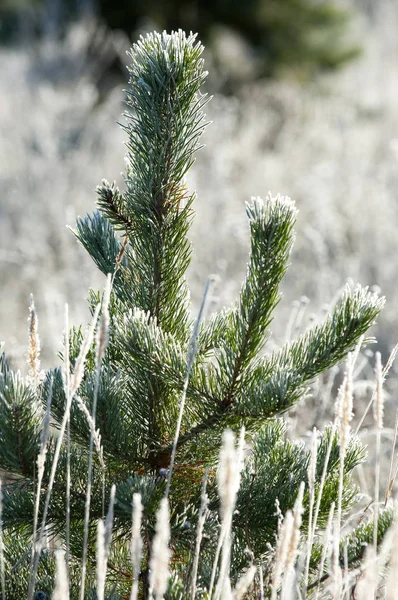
(140, 235)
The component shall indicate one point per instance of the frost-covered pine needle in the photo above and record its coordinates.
(104, 538)
(136, 544)
(160, 554)
(61, 588)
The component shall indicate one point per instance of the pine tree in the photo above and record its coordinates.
(125, 405)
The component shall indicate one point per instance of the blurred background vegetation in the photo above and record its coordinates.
(273, 35)
(304, 104)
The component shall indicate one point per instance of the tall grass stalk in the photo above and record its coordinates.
(325, 548)
(61, 589)
(261, 577)
(41, 461)
(204, 501)
(104, 538)
(160, 555)
(2, 570)
(289, 578)
(391, 478)
(378, 416)
(66, 372)
(101, 343)
(231, 463)
(344, 408)
(136, 544)
(311, 487)
(75, 382)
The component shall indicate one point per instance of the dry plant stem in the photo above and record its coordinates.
(2, 575)
(102, 335)
(377, 488)
(344, 408)
(95, 433)
(260, 570)
(391, 479)
(192, 350)
(68, 477)
(378, 414)
(282, 547)
(41, 460)
(295, 533)
(136, 544)
(231, 462)
(311, 486)
(323, 478)
(326, 545)
(104, 537)
(386, 369)
(204, 501)
(76, 380)
(336, 570)
(346, 581)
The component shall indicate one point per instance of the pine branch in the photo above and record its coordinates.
(277, 382)
(95, 233)
(166, 73)
(113, 206)
(271, 227)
